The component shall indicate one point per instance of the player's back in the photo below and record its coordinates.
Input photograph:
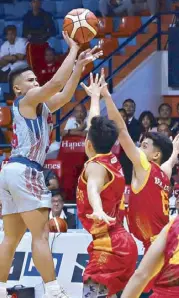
(31, 136)
(148, 209)
(167, 282)
(111, 194)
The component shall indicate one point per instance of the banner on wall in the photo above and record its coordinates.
(70, 259)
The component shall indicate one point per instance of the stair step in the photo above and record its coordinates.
(143, 38)
(129, 50)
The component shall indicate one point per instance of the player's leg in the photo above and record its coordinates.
(14, 229)
(37, 223)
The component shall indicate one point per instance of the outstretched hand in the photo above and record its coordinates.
(70, 42)
(176, 144)
(88, 56)
(96, 84)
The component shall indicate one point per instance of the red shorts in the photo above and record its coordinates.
(113, 258)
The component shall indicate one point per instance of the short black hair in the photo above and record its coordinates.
(17, 71)
(163, 143)
(58, 192)
(130, 100)
(83, 108)
(164, 105)
(123, 110)
(10, 28)
(150, 116)
(103, 134)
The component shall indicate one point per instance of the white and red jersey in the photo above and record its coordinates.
(31, 137)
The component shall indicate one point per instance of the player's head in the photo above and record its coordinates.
(101, 137)
(22, 79)
(157, 147)
(123, 114)
(164, 129)
(129, 106)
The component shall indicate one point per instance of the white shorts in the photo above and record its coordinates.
(22, 189)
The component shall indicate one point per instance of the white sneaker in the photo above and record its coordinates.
(60, 293)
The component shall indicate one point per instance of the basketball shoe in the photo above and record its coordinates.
(56, 292)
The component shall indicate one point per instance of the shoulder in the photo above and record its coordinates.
(21, 40)
(4, 45)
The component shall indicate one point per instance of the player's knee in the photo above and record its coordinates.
(40, 236)
(11, 241)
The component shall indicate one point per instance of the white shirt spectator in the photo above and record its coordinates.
(73, 124)
(19, 47)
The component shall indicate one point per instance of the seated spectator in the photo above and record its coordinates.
(164, 129)
(12, 52)
(116, 7)
(151, 5)
(1, 220)
(77, 125)
(58, 210)
(123, 114)
(49, 68)
(176, 211)
(38, 24)
(51, 179)
(165, 113)
(147, 122)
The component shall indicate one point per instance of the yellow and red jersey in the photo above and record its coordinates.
(148, 210)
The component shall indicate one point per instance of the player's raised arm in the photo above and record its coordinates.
(170, 163)
(95, 175)
(125, 140)
(61, 98)
(94, 90)
(151, 264)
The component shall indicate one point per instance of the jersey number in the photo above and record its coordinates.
(165, 202)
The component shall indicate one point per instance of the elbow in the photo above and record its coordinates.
(57, 84)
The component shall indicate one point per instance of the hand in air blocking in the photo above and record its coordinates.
(101, 215)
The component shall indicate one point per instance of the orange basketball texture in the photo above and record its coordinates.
(81, 25)
(57, 225)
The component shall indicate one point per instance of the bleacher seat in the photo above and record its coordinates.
(16, 10)
(5, 117)
(60, 27)
(105, 26)
(64, 46)
(1, 28)
(56, 44)
(4, 88)
(49, 6)
(127, 26)
(1, 10)
(91, 5)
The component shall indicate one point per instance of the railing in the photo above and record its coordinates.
(156, 36)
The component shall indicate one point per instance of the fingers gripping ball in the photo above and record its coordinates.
(81, 25)
(58, 225)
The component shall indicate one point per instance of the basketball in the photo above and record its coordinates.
(81, 25)
(58, 225)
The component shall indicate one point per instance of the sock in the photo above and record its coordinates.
(51, 284)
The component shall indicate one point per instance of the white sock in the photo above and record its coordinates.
(51, 284)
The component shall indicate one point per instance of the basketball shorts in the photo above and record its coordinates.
(94, 290)
(22, 188)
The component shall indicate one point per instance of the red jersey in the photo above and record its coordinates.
(47, 71)
(168, 279)
(113, 252)
(148, 210)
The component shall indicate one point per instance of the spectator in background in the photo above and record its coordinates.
(77, 125)
(124, 115)
(147, 122)
(38, 24)
(116, 7)
(51, 179)
(133, 124)
(176, 212)
(1, 219)
(12, 52)
(165, 113)
(59, 211)
(164, 129)
(50, 66)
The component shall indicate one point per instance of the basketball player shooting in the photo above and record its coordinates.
(113, 252)
(162, 258)
(25, 198)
